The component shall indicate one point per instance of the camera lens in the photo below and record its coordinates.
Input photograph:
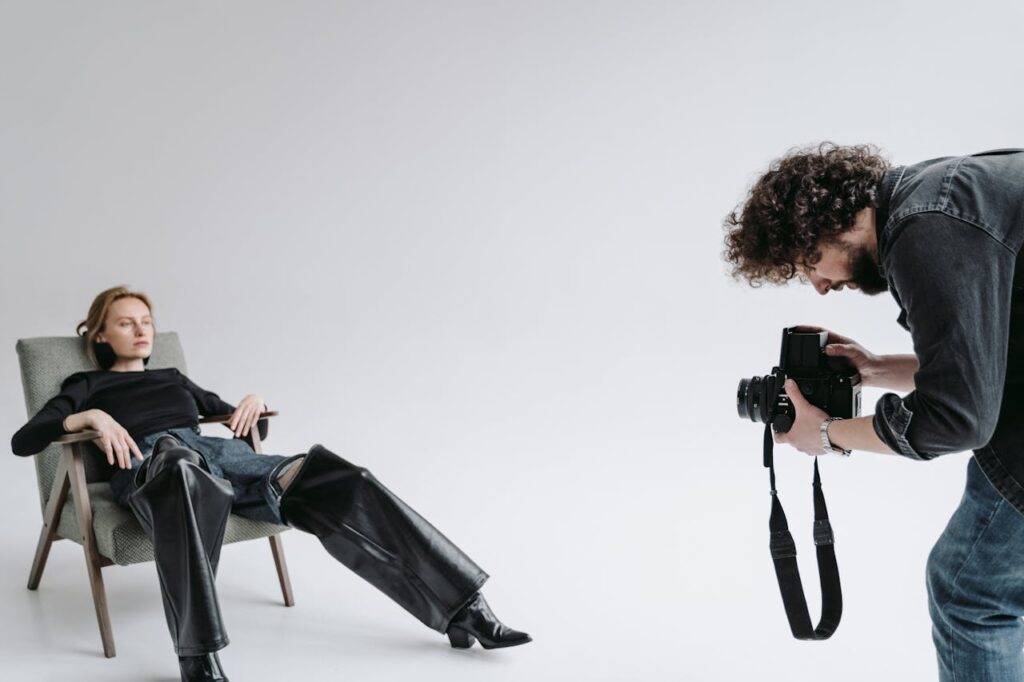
(749, 399)
(741, 398)
(755, 398)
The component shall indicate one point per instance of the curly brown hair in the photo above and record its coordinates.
(806, 199)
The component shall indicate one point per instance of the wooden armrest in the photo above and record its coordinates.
(252, 438)
(219, 418)
(77, 436)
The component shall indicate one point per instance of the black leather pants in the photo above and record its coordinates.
(370, 530)
(184, 510)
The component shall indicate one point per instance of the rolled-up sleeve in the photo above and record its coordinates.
(955, 282)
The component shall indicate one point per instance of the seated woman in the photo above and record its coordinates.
(182, 485)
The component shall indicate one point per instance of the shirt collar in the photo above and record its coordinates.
(886, 187)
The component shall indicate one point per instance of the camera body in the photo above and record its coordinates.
(831, 384)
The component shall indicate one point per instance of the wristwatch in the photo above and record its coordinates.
(827, 444)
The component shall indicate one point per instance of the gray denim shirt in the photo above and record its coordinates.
(949, 242)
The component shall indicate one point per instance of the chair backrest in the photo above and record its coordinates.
(45, 362)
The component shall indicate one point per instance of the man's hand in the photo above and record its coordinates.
(880, 371)
(867, 364)
(246, 415)
(115, 441)
(805, 434)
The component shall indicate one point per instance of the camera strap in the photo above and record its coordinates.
(783, 551)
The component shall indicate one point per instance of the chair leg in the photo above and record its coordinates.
(42, 554)
(277, 548)
(93, 561)
(51, 519)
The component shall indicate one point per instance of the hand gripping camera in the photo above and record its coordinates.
(829, 383)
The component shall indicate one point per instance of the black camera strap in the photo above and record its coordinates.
(783, 551)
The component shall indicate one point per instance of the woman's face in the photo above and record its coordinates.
(128, 329)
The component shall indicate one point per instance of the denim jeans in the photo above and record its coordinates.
(975, 579)
(253, 477)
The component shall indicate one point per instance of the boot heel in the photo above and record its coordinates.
(460, 639)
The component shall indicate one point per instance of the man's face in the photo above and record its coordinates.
(851, 261)
(845, 265)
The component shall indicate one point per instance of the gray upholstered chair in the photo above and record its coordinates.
(109, 533)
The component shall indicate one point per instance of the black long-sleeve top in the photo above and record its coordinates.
(142, 402)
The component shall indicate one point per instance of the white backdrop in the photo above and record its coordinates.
(476, 247)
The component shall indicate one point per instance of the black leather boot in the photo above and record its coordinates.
(476, 621)
(184, 509)
(369, 529)
(204, 668)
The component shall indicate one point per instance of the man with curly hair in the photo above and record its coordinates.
(944, 237)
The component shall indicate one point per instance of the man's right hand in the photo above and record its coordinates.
(114, 441)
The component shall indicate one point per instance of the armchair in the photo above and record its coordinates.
(89, 516)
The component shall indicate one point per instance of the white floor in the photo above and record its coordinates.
(617, 575)
(339, 628)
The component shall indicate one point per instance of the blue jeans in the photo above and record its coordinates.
(253, 477)
(975, 580)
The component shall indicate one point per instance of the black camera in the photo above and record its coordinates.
(829, 383)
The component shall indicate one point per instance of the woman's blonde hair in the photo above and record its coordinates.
(101, 354)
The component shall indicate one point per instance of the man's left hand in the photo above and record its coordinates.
(246, 415)
(805, 434)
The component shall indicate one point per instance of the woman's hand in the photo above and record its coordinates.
(246, 415)
(805, 434)
(114, 441)
(867, 364)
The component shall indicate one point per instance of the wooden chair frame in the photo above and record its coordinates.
(70, 477)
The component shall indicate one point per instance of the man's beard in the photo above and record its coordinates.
(865, 274)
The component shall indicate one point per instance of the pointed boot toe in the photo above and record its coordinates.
(476, 622)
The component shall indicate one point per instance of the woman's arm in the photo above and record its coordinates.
(49, 423)
(209, 403)
(114, 440)
(246, 416)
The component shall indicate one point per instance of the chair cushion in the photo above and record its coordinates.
(120, 538)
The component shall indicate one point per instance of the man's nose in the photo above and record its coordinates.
(820, 285)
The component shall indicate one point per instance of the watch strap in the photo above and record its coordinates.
(826, 443)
